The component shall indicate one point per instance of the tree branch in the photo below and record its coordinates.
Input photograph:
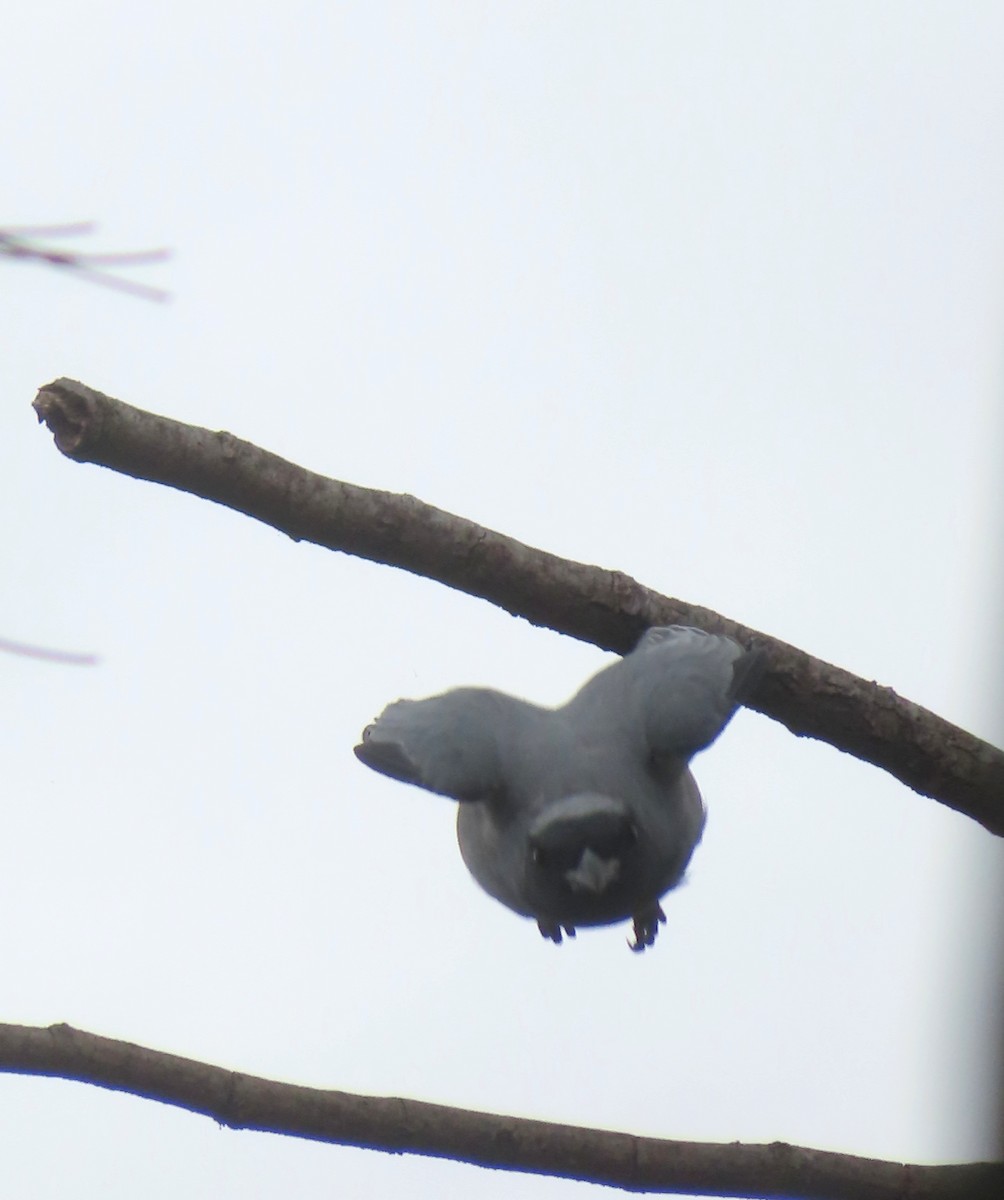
(71, 658)
(19, 243)
(810, 697)
(409, 1126)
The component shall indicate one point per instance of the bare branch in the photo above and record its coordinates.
(410, 1126)
(810, 697)
(18, 243)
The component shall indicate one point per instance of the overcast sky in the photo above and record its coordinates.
(710, 293)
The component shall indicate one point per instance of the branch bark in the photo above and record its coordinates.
(483, 1139)
(810, 697)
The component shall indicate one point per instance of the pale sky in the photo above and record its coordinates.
(709, 293)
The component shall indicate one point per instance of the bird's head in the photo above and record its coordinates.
(579, 842)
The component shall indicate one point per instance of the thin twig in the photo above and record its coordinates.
(19, 243)
(69, 657)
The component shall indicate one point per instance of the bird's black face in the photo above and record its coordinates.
(579, 854)
(588, 864)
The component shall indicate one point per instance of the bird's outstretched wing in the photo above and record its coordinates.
(683, 685)
(692, 683)
(453, 744)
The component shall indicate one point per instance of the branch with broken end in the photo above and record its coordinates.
(810, 697)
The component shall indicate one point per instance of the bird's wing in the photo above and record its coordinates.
(681, 684)
(691, 684)
(454, 744)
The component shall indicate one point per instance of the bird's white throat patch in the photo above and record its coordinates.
(593, 874)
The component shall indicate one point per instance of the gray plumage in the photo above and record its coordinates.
(585, 814)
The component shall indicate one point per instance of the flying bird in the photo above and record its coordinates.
(585, 814)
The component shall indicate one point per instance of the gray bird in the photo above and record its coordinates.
(585, 814)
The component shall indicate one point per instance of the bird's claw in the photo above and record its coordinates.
(646, 927)
(552, 930)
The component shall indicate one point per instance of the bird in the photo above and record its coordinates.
(586, 814)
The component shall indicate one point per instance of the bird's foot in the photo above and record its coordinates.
(552, 930)
(646, 927)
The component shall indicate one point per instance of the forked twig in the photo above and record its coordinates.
(21, 242)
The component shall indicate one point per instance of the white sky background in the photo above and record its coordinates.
(709, 293)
